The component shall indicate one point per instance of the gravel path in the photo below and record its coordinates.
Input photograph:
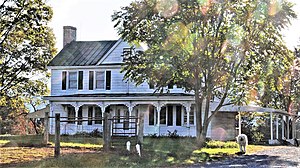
(279, 156)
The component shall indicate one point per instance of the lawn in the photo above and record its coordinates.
(18, 151)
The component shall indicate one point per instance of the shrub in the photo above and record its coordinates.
(173, 134)
(96, 133)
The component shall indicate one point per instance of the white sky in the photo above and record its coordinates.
(92, 18)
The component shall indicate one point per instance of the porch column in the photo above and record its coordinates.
(271, 125)
(188, 116)
(276, 126)
(240, 123)
(158, 108)
(287, 127)
(282, 127)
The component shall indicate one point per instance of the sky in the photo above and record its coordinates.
(92, 18)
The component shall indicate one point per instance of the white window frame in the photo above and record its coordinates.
(68, 80)
(95, 80)
(184, 114)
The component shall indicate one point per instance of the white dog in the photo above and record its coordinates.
(242, 140)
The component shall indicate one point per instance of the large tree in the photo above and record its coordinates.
(26, 46)
(215, 49)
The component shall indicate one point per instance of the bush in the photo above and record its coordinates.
(96, 133)
(173, 134)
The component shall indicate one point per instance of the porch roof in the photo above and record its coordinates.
(249, 108)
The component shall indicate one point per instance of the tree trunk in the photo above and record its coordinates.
(198, 108)
(34, 126)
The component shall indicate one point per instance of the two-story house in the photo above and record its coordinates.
(86, 82)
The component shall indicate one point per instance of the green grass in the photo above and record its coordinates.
(157, 152)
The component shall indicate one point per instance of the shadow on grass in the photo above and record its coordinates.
(251, 161)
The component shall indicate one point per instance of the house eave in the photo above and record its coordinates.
(111, 66)
(122, 98)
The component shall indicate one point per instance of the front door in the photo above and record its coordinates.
(122, 117)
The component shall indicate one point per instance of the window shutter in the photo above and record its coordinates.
(91, 80)
(80, 80)
(64, 80)
(108, 80)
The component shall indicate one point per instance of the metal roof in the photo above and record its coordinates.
(82, 53)
(234, 108)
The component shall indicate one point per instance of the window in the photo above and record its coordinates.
(151, 115)
(178, 115)
(64, 80)
(191, 116)
(170, 115)
(108, 80)
(71, 114)
(91, 80)
(163, 115)
(99, 80)
(98, 115)
(79, 116)
(80, 80)
(90, 115)
(72, 80)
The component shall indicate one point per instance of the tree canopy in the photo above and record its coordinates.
(26, 46)
(219, 50)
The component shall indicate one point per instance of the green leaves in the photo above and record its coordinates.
(26, 46)
(225, 50)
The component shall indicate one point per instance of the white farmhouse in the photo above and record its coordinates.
(86, 82)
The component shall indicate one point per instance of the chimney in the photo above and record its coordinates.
(69, 34)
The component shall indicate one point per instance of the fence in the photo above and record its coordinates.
(116, 128)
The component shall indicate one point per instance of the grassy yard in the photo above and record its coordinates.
(87, 152)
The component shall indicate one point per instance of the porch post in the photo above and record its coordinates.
(240, 123)
(288, 127)
(158, 108)
(106, 132)
(282, 127)
(46, 131)
(141, 125)
(271, 125)
(276, 126)
(293, 129)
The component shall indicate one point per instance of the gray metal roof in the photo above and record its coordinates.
(82, 53)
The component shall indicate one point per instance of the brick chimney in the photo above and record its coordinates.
(69, 34)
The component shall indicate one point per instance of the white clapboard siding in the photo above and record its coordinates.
(118, 85)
